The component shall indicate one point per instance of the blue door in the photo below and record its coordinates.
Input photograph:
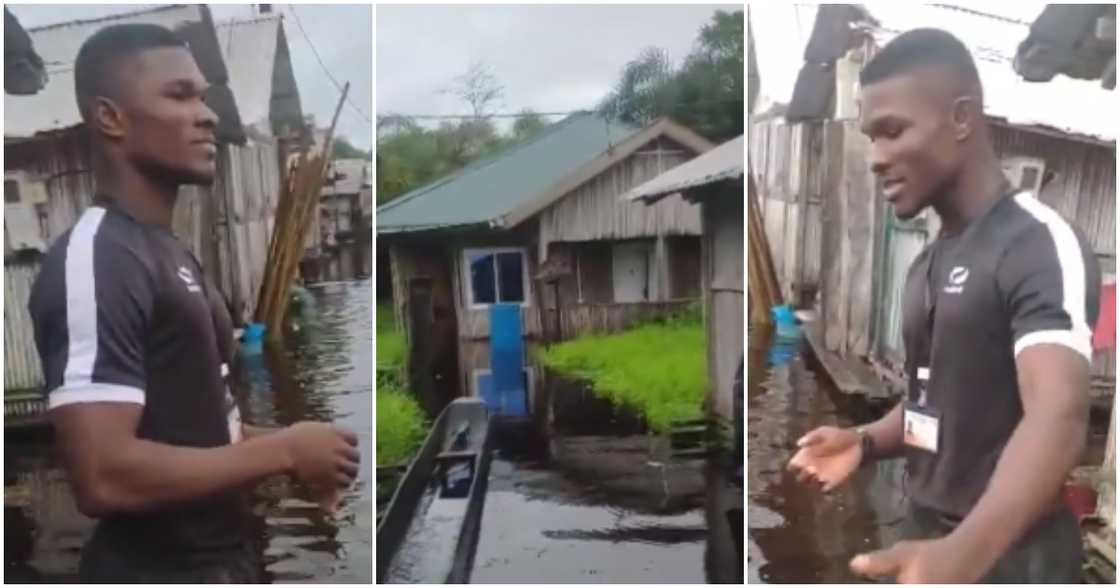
(504, 390)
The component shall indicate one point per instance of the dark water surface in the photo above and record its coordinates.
(583, 495)
(325, 374)
(795, 533)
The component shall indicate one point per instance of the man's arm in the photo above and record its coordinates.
(1052, 284)
(112, 470)
(1045, 446)
(886, 434)
(252, 431)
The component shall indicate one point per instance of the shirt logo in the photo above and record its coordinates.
(188, 279)
(957, 277)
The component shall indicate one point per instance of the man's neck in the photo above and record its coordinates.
(140, 196)
(970, 196)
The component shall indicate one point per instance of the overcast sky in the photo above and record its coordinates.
(548, 58)
(781, 30)
(341, 35)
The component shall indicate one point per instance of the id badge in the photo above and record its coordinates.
(921, 427)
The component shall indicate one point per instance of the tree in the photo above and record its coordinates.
(644, 90)
(478, 88)
(528, 123)
(704, 94)
(343, 149)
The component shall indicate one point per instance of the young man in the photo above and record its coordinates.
(996, 316)
(134, 342)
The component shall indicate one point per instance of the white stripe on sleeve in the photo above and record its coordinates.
(94, 393)
(1072, 264)
(81, 302)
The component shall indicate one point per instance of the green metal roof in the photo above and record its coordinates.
(494, 186)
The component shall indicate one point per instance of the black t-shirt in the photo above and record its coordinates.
(1017, 276)
(122, 314)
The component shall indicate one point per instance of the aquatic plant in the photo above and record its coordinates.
(391, 347)
(401, 426)
(658, 369)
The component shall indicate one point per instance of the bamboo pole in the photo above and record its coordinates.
(296, 209)
(764, 291)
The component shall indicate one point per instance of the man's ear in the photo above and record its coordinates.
(965, 113)
(108, 118)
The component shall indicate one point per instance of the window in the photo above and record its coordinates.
(496, 275)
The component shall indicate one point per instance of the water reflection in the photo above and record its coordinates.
(796, 534)
(324, 373)
(584, 495)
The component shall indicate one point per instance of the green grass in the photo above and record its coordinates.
(391, 348)
(401, 422)
(401, 426)
(658, 369)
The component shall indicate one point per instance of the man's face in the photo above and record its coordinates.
(169, 130)
(914, 151)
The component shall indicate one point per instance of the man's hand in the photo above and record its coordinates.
(328, 498)
(828, 455)
(934, 561)
(322, 455)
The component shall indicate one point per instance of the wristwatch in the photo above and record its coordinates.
(866, 445)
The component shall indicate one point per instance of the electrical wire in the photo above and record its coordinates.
(318, 58)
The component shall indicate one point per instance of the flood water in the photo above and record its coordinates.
(795, 533)
(586, 495)
(324, 374)
(583, 495)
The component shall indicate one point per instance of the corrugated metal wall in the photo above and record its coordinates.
(22, 369)
(227, 225)
(249, 179)
(1084, 189)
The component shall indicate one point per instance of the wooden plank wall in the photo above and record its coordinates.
(724, 304)
(596, 210)
(583, 319)
(822, 220)
(225, 225)
(789, 171)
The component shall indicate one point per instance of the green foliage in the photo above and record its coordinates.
(412, 156)
(658, 369)
(343, 149)
(705, 94)
(528, 124)
(391, 347)
(401, 426)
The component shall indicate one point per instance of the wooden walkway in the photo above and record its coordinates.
(24, 409)
(850, 375)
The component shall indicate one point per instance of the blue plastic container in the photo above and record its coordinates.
(785, 323)
(252, 339)
(254, 333)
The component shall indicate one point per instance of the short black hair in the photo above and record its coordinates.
(93, 74)
(921, 47)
